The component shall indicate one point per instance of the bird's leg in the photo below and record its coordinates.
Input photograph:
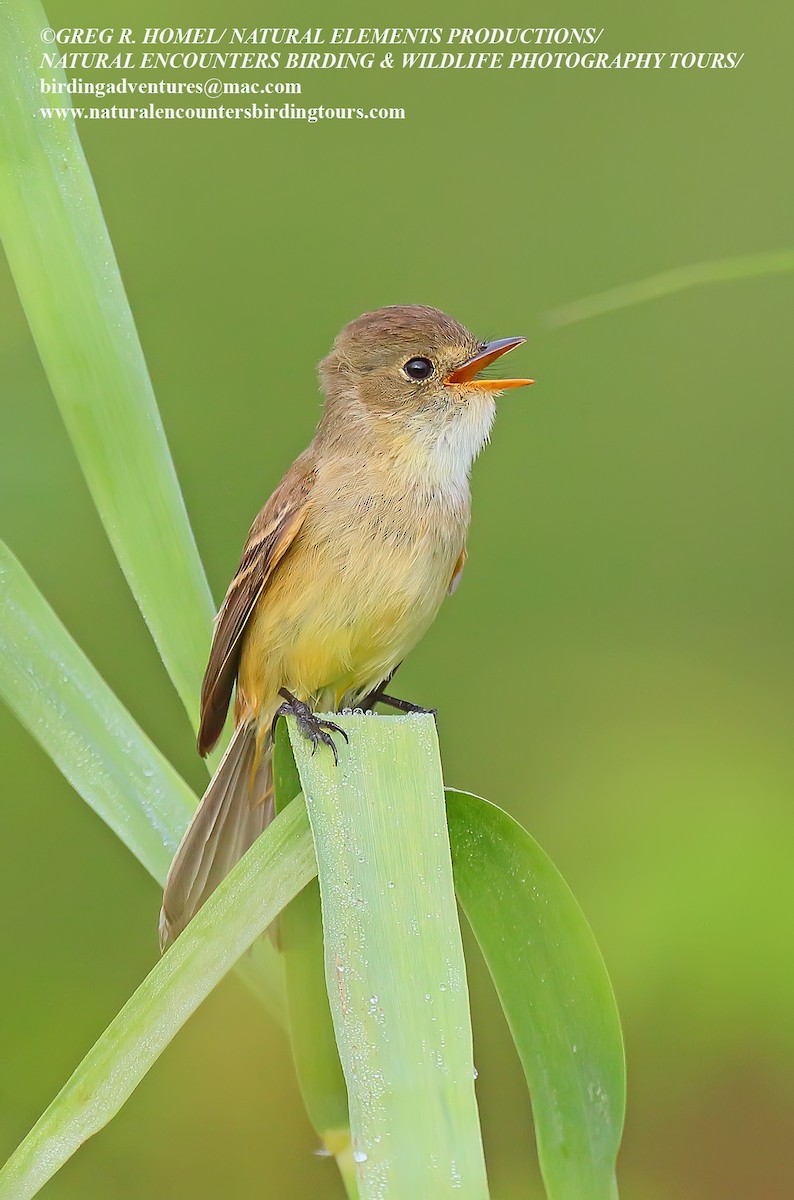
(394, 702)
(379, 696)
(311, 726)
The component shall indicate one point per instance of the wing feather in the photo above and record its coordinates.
(456, 574)
(269, 538)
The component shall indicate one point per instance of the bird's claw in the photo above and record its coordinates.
(311, 726)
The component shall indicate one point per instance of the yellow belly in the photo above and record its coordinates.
(341, 613)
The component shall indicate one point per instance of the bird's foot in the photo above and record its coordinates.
(311, 726)
(394, 702)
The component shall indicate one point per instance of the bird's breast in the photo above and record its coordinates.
(387, 549)
(363, 580)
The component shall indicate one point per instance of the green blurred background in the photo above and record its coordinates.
(627, 600)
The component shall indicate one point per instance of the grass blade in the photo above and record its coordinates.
(279, 864)
(394, 965)
(300, 935)
(666, 283)
(75, 717)
(555, 993)
(65, 270)
(55, 692)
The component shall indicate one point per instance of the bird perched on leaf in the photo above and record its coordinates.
(344, 568)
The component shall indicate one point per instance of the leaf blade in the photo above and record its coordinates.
(276, 867)
(311, 1029)
(555, 993)
(395, 973)
(65, 270)
(667, 283)
(78, 721)
(53, 689)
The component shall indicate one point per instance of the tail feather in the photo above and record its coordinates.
(233, 811)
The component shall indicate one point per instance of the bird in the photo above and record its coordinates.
(343, 570)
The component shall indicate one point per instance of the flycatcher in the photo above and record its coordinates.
(344, 568)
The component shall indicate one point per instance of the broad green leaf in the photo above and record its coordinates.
(50, 685)
(555, 993)
(394, 968)
(65, 270)
(300, 939)
(276, 867)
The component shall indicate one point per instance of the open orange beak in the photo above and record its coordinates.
(468, 373)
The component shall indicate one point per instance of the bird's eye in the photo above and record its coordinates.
(418, 368)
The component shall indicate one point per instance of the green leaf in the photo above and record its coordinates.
(394, 968)
(555, 992)
(50, 685)
(300, 936)
(65, 270)
(75, 717)
(276, 867)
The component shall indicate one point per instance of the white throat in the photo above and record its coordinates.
(448, 453)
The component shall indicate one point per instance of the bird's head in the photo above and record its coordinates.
(409, 358)
(414, 375)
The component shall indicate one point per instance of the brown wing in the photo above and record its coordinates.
(268, 540)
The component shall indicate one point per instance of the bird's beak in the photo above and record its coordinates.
(469, 372)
